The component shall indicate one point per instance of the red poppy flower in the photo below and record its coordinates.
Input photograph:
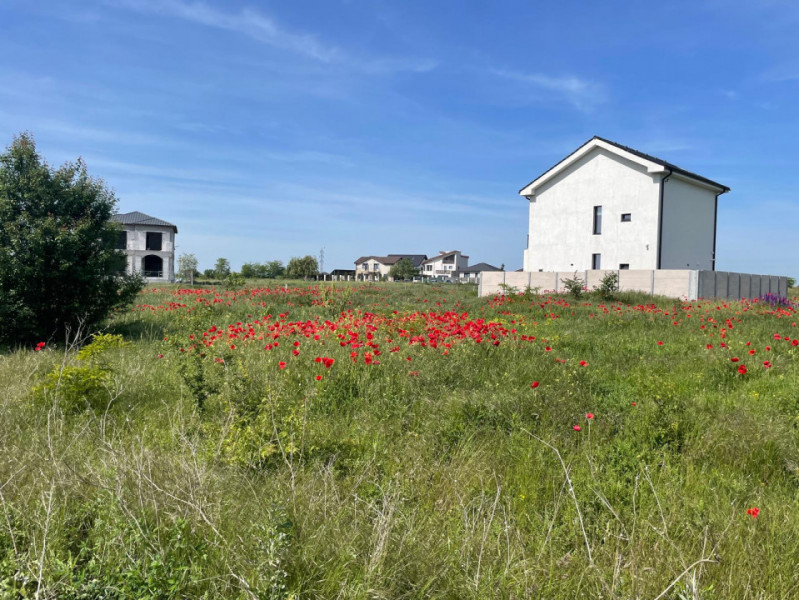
(660, 343)
(742, 370)
(318, 378)
(583, 363)
(282, 364)
(577, 428)
(160, 356)
(753, 512)
(589, 415)
(535, 384)
(734, 359)
(633, 403)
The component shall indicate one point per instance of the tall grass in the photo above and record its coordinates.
(175, 469)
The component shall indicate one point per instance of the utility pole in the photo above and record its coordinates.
(322, 260)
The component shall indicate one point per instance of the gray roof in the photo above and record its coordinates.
(391, 259)
(138, 218)
(478, 268)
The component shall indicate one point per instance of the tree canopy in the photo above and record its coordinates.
(59, 267)
(304, 267)
(403, 269)
(187, 267)
(222, 268)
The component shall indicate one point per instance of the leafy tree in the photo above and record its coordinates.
(187, 266)
(304, 267)
(222, 268)
(59, 267)
(209, 273)
(403, 269)
(274, 269)
(252, 270)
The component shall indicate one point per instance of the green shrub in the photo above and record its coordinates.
(608, 286)
(574, 286)
(88, 384)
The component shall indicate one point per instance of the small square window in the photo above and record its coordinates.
(626, 217)
(596, 261)
(624, 267)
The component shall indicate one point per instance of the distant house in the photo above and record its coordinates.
(607, 206)
(149, 245)
(445, 264)
(374, 268)
(342, 274)
(472, 274)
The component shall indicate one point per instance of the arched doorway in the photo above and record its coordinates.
(153, 266)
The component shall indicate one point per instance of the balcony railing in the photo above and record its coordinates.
(151, 273)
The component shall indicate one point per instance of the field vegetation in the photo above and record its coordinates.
(404, 441)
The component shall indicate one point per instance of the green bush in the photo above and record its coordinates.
(608, 286)
(575, 286)
(88, 384)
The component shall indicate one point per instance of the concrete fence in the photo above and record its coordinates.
(676, 283)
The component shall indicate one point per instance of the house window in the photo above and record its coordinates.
(122, 240)
(596, 260)
(375, 267)
(153, 241)
(624, 267)
(365, 266)
(429, 267)
(626, 217)
(597, 220)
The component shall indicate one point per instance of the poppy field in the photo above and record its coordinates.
(405, 441)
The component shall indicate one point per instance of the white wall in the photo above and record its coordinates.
(561, 216)
(675, 283)
(688, 222)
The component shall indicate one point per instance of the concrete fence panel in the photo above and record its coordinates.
(544, 281)
(746, 285)
(636, 281)
(734, 285)
(675, 283)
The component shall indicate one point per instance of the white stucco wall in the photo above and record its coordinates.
(561, 216)
(688, 224)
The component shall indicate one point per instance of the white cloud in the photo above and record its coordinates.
(583, 94)
(266, 30)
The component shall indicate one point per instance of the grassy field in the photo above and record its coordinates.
(405, 441)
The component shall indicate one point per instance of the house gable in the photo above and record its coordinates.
(651, 164)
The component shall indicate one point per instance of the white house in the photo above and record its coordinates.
(374, 268)
(607, 206)
(149, 245)
(445, 264)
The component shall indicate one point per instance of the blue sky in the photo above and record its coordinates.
(267, 130)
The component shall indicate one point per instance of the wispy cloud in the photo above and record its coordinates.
(264, 29)
(583, 94)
